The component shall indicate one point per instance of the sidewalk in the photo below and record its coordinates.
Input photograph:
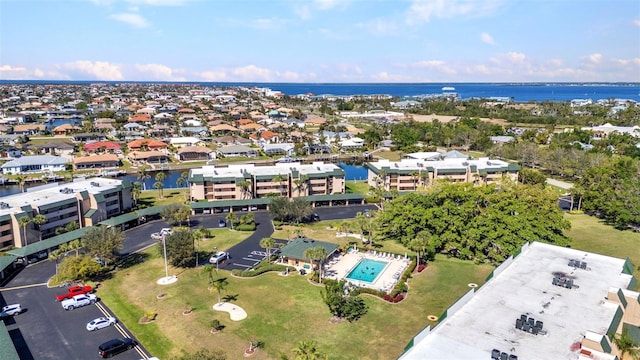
(560, 184)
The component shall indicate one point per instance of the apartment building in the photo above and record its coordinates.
(249, 181)
(411, 174)
(547, 302)
(84, 201)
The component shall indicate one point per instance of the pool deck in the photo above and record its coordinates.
(339, 267)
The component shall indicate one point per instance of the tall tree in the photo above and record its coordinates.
(626, 345)
(307, 350)
(143, 175)
(219, 285)
(159, 184)
(39, 220)
(267, 243)
(104, 242)
(180, 248)
(318, 254)
(136, 191)
(24, 221)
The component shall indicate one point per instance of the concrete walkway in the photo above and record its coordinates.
(236, 312)
(560, 184)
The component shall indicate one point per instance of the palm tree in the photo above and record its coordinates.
(135, 192)
(160, 176)
(230, 218)
(361, 222)
(21, 180)
(267, 243)
(75, 245)
(307, 350)
(344, 227)
(39, 220)
(24, 221)
(316, 253)
(279, 179)
(55, 255)
(626, 345)
(143, 175)
(245, 185)
(219, 285)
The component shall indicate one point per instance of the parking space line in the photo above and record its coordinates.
(120, 329)
(250, 259)
(243, 265)
(23, 287)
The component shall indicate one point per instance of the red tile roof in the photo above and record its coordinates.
(108, 145)
(149, 143)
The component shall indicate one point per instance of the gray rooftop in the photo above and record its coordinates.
(35, 160)
(524, 286)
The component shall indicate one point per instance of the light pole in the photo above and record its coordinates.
(164, 246)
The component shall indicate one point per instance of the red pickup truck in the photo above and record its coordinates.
(73, 291)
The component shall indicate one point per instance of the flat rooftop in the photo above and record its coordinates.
(50, 193)
(487, 320)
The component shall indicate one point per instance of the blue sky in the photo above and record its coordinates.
(321, 40)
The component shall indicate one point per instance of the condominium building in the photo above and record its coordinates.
(249, 181)
(547, 302)
(83, 201)
(410, 174)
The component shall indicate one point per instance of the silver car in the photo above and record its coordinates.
(10, 310)
(101, 322)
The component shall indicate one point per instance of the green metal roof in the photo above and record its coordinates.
(452, 171)
(6, 261)
(49, 243)
(99, 198)
(196, 178)
(154, 210)
(6, 344)
(84, 194)
(334, 197)
(89, 213)
(5, 217)
(225, 203)
(57, 204)
(296, 248)
(120, 219)
(513, 167)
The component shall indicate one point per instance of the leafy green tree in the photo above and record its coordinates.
(180, 248)
(267, 243)
(531, 177)
(39, 220)
(349, 307)
(78, 268)
(175, 213)
(104, 242)
(76, 245)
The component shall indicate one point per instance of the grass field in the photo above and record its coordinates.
(282, 310)
(591, 234)
(357, 187)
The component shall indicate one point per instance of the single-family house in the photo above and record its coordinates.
(194, 130)
(29, 129)
(351, 144)
(34, 164)
(147, 144)
(140, 118)
(223, 128)
(184, 141)
(149, 157)
(9, 152)
(278, 149)
(195, 153)
(102, 161)
(499, 140)
(59, 148)
(102, 147)
(237, 151)
(65, 129)
(88, 137)
(252, 127)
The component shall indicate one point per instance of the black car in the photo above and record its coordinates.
(115, 346)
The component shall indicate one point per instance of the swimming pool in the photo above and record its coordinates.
(367, 270)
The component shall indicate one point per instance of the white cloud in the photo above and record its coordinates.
(487, 39)
(509, 58)
(422, 11)
(384, 76)
(132, 19)
(595, 58)
(379, 26)
(306, 10)
(636, 22)
(158, 2)
(213, 76)
(9, 72)
(328, 4)
(98, 70)
(157, 72)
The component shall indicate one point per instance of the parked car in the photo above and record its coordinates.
(73, 291)
(222, 223)
(166, 231)
(219, 257)
(10, 310)
(101, 322)
(115, 346)
(78, 301)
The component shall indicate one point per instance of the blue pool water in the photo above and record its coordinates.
(367, 270)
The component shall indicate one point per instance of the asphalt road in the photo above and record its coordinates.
(44, 330)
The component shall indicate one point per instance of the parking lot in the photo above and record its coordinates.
(44, 330)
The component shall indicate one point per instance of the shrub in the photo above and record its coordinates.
(246, 227)
(150, 315)
(261, 269)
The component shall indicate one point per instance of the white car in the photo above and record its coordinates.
(10, 310)
(166, 231)
(218, 257)
(101, 322)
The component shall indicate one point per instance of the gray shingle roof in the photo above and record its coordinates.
(35, 160)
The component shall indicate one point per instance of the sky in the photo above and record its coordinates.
(321, 41)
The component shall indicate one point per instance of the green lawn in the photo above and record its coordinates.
(357, 187)
(591, 234)
(282, 311)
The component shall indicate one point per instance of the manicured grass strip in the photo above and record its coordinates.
(357, 187)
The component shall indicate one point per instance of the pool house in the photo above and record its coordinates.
(293, 253)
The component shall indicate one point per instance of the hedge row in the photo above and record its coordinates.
(261, 269)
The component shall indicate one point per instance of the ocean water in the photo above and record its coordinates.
(520, 92)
